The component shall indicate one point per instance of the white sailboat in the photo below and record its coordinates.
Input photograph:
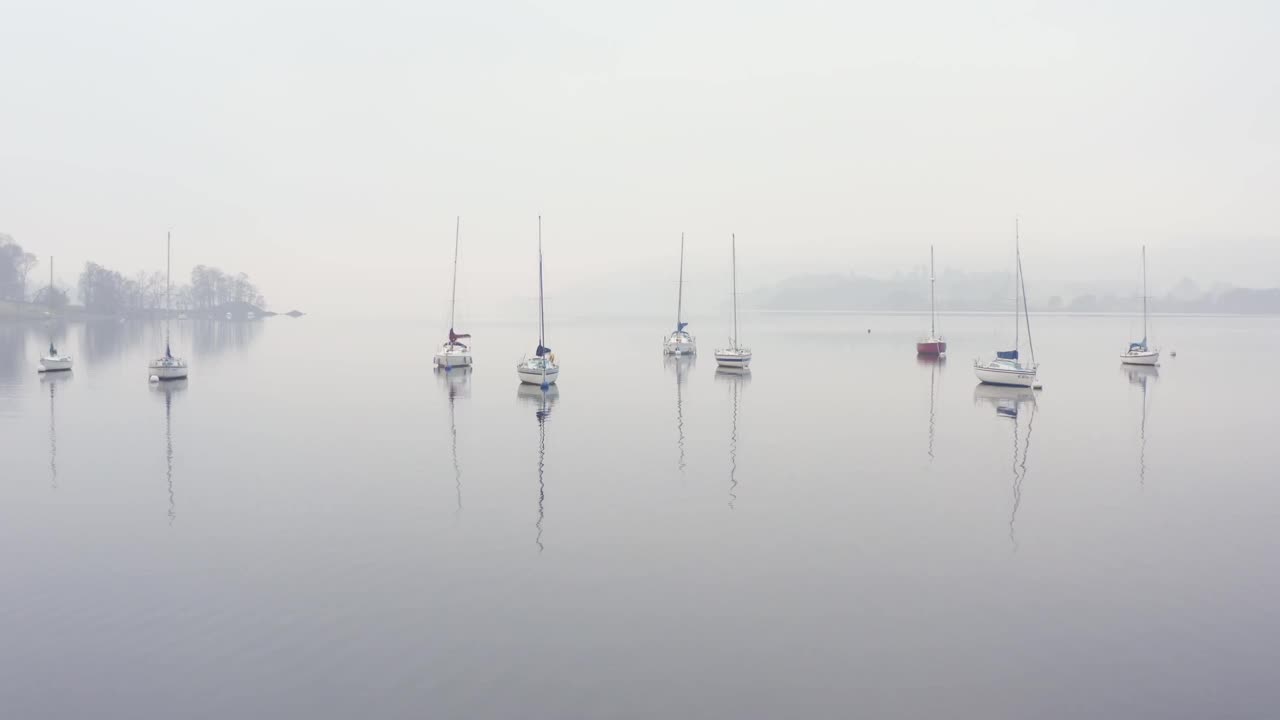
(167, 367)
(1007, 368)
(454, 353)
(53, 361)
(934, 344)
(541, 369)
(1140, 353)
(680, 342)
(734, 356)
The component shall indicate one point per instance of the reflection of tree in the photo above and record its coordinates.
(211, 337)
(13, 346)
(106, 339)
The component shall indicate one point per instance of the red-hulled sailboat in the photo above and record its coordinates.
(934, 344)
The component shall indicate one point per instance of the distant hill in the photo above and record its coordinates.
(989, 292)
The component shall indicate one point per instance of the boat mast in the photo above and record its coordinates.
(1144, 299)
(541, 314)
(1017, 281)
(453, 298)
(50, 285)
(1026, 310)
(168, 273)
(933, 331)
(734, 241)
(680, 287)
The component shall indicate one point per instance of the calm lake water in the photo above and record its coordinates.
(317, 525)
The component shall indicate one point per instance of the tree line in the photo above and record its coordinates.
(105, 291)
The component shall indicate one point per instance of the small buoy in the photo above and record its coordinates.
(155, 378)
(1173, 353)
(868, 331)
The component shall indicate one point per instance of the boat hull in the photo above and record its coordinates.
(1008, 377)
(55, 364)
(538, 377)
(931, 347)
(679, 347)
(733, 359)
(453, 359)
(168, 371)
(1150, 357)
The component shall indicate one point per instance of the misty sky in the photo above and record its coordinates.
(325, 148)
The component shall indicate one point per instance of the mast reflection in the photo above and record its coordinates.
(1142, 375)
(456, 383)
(169, 389)
(681, 365)
(53, 380)
(1013, 403)
(934, 362)
(543, 400)
(736, 378)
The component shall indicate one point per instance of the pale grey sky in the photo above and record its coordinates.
(325, 148)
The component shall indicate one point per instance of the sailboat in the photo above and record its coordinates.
(734, 356)
(454, 353)
(680, 342)
(541, 369)
(1139, 353)
(53, 361)
(932, 345)
(1007, 368)
(168, 367)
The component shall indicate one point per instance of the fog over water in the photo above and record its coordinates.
(325, 150)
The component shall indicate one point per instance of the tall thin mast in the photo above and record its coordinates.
(168, 273)
(1017, 281)
(734, 240)
(453, 299)
(680, 290)
(541, 315)
(933, 331)
(1144, 301)
(51, 285)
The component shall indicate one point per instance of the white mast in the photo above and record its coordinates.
(168, 273)
(1144, 300)
(542, 322)
(1017, 281)
(680, 290)
(933, 331)
(453, 299)
(734, 241)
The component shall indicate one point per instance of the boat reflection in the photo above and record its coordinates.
(934, 364)
(736, 378)
(681, 365)
(53, 380)
(456, 383)
(169, 389)
(1141, 376)
(544, 401)
(1013, 403)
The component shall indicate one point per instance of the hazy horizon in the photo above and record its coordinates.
(327, 151)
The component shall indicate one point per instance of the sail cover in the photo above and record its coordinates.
(52, 350)
(681, 326)
(167, 355)
(1138, 346)
(455, 337)
(1007, 354)
(543, 351)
